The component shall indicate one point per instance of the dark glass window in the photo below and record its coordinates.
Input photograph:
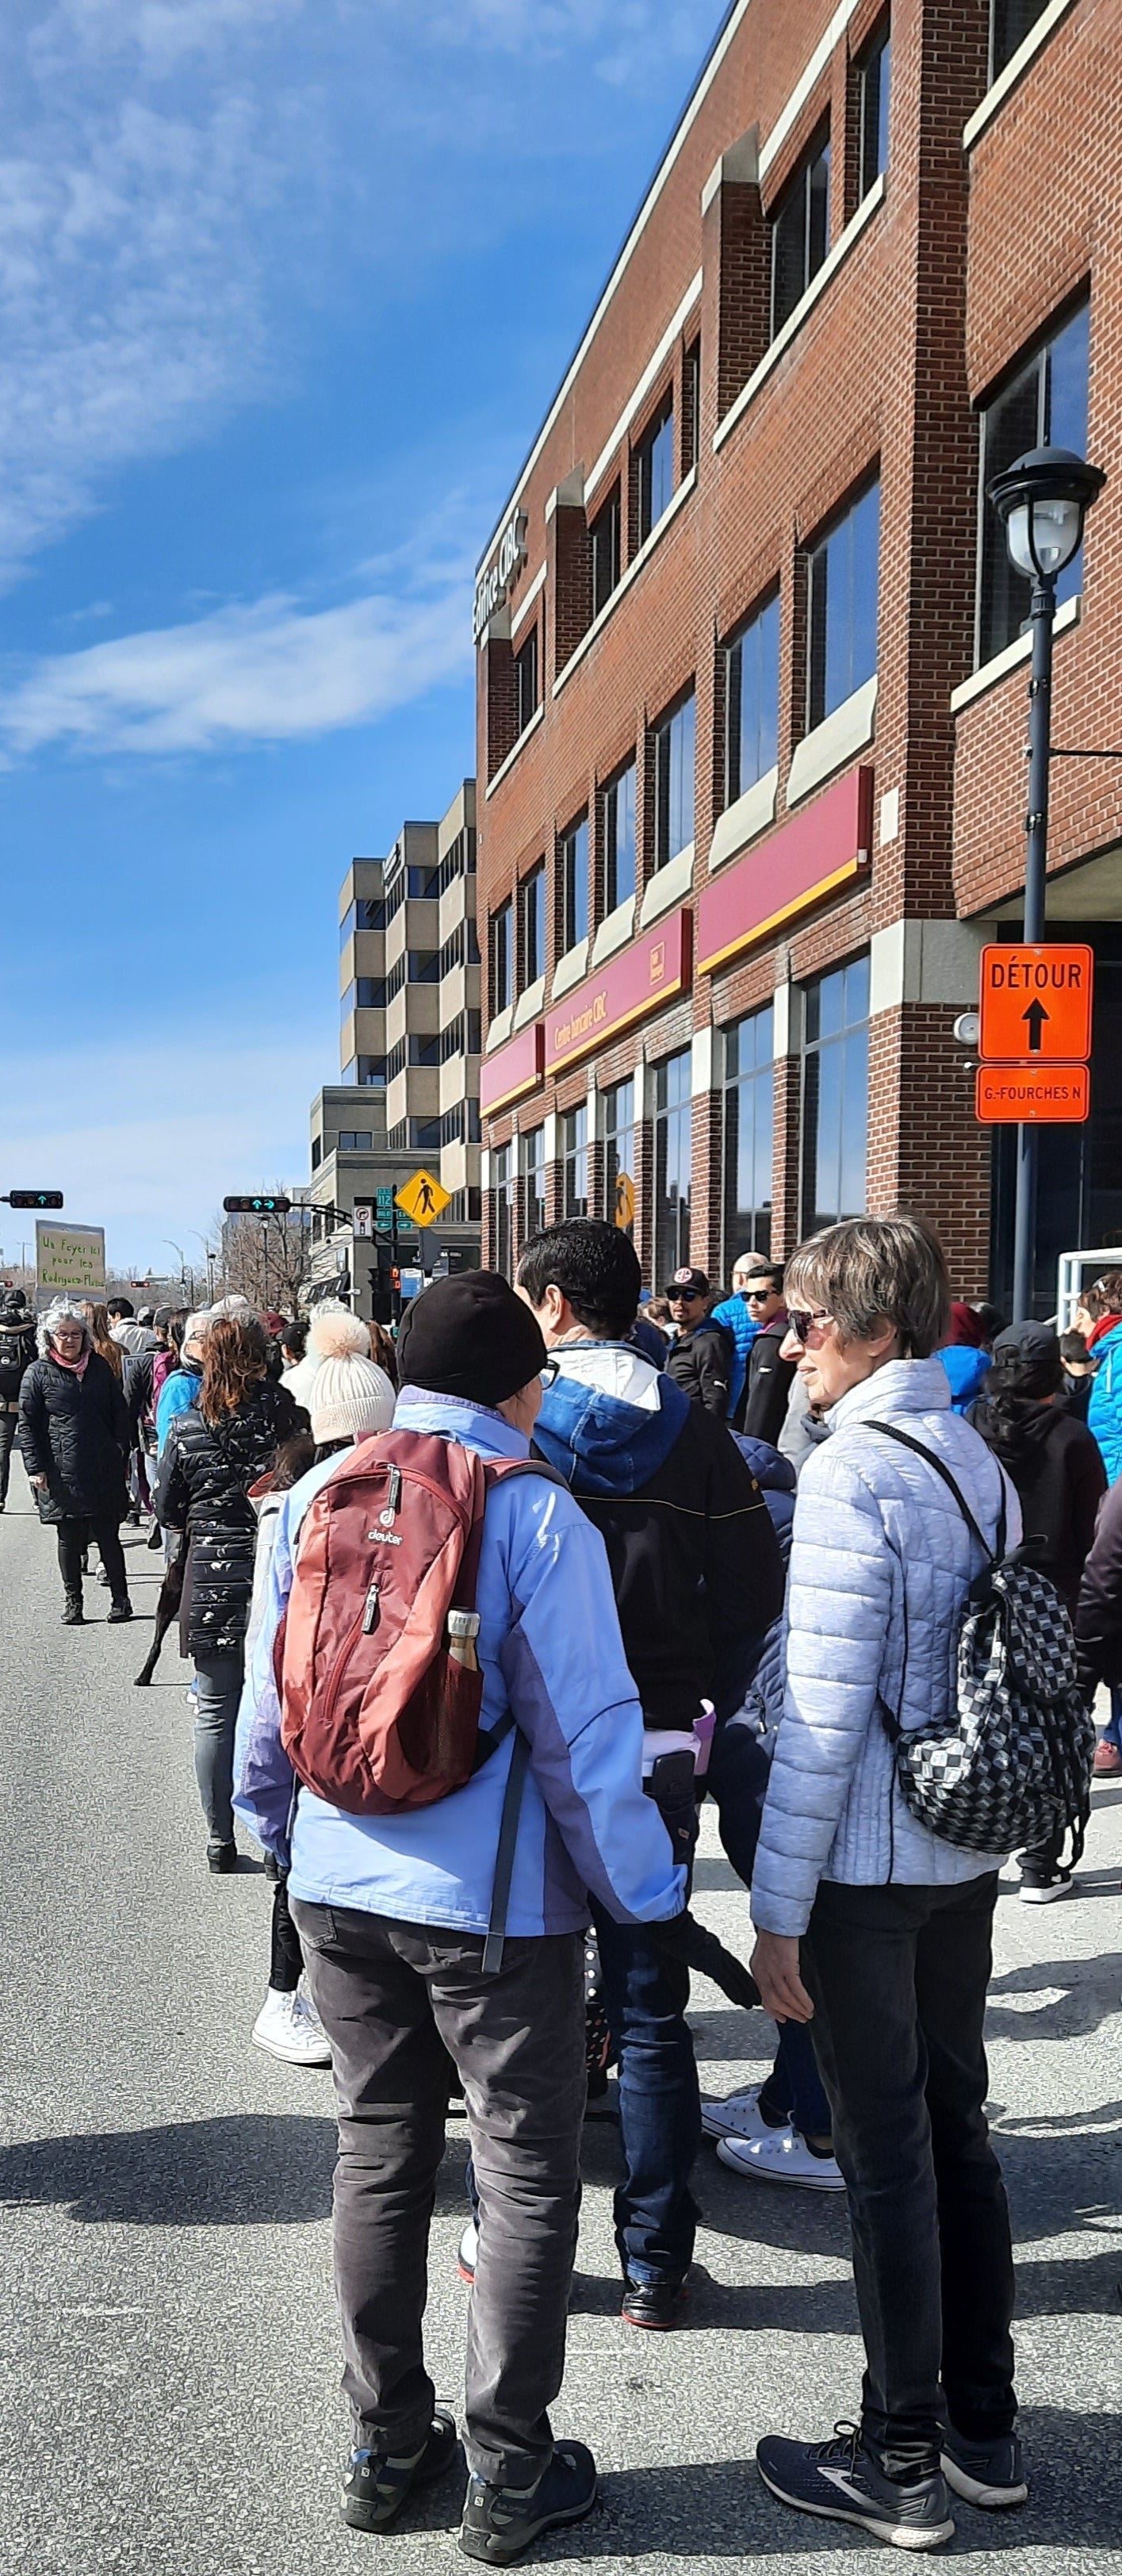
(424, 884)
(673, 1165)
(533, 925)
(369, 992)
(1044, 405)
(752, 702)
(356, 1140)
(836, 1096)
(619, 1156)
(370, 1071)
(424, 1135)
(424, 966)
(875, 80)
(526, 683)
(691, 397)
(1010, 22)
(604, 536)
(502, 959)
(574, 1159)
(317, 1152)
(574, 883)
(656, 469)
(749, 1122)
(504, 1211)
(675, 746)
(369, 914)
(424, 1050)
(800, 231)
(842, 608)
(533, 1166)
(619, 838)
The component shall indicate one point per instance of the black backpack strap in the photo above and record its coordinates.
(504, 1857)
(890, 1432)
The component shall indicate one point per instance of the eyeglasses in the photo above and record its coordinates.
(800, 1322)
(550, 1374)
(686, 1297)
(758, 1296)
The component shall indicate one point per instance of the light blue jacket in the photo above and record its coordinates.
(1104, 1413)
(180, 1390)
(733, 1314)
(550, 1649)
(881, 1560)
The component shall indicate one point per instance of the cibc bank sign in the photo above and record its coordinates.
(498, 573)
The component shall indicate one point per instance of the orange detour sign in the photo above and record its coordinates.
(1036, 1005)
(1033, 1095)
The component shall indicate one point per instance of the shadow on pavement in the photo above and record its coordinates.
(1085, 1994)
(251, 2169)
(720, 2509)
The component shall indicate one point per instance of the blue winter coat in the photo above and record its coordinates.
(733, 1314)
(1104, 1413)
(550, 1649)
(180, 1390)
(965, 1370)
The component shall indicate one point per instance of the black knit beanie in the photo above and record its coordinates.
(470, 1337)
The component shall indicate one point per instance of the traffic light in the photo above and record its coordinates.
(35, 1198)
(261, 1206)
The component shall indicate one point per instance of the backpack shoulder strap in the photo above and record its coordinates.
(889, 1431)
(496, 1471)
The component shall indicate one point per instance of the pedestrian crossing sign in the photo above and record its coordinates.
(423, 1198)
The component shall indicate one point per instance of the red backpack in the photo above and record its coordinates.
(378, 1716)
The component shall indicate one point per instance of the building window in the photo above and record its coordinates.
(675, 750)
(370, 992)
(574, 883)
(836, 1096)
(356, 1140)
(656, 469)
(1010, 22)
(504, 1211)
(574, 1161)
(673, 1165)
(502, 959)
(691, 405)
(526, 683)
(370, 1072)
(1044, 405)
(367, 914)
(800, 231)
(533, 1167)
(842, 608)
(619, 1157)
(752, 702)
(533, 925)
(748, 1134)
(619, 838)
(604, 538)
(425, 1135)
(317, 1152)
(874, 74)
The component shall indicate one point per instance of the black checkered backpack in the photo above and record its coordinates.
(1012, 1766)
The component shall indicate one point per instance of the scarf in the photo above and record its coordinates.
(77, 1368)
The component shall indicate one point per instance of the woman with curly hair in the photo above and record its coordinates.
(214, 1452)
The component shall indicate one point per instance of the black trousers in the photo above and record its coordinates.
(73, 1540)
(9, 1424)
(899, 1978)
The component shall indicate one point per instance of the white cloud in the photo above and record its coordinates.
(147, 1148)
(267, 672)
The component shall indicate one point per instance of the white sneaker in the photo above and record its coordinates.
(783, 2156)
(468, 2255)
(739, 2117)
(290, 2027)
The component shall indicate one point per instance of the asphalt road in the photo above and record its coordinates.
(168, 2362)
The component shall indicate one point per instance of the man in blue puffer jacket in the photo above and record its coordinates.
(392, 1913)
(736, 1315)
(1104, 1413)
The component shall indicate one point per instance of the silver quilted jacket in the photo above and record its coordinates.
(881, 1562)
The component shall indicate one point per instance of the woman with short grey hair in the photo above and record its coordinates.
(74, 1439)
(869, 1928)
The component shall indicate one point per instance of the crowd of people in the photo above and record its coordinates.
(478, 1619)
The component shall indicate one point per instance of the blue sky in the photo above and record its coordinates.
(285, 288)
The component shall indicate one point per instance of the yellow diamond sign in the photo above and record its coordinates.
(423, 1198)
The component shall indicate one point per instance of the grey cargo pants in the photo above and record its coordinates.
(398, 2000)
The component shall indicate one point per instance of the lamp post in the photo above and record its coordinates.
(1042, 500)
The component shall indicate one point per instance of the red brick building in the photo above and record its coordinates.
(752, 675)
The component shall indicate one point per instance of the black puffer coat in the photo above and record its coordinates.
(75, 1431)
(203, 1488)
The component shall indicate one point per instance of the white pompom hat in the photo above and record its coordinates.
(350, 1398)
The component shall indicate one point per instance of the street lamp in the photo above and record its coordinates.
(1042, 501)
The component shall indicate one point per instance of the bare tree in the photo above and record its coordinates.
(266, 1258)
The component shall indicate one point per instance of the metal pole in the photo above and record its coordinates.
(396, 1293)
(265, 1262)
(1036, 888)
